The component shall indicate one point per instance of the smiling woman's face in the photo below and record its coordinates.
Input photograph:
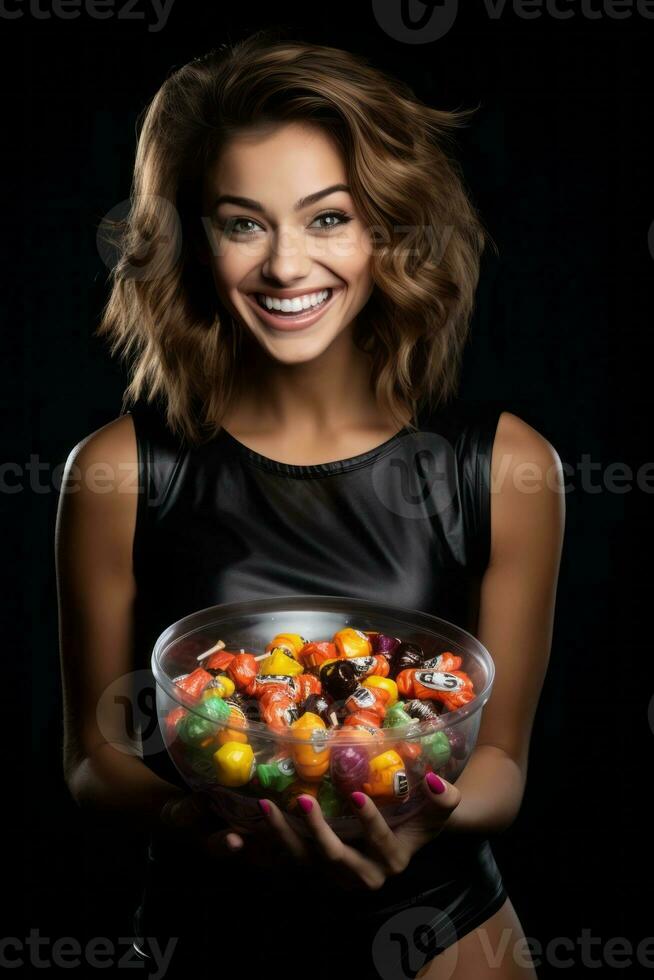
(280, 240)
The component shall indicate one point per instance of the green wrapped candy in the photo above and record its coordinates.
(193, 729)
(277, 775)
(397, 717)
(436, 748)
(330, 802)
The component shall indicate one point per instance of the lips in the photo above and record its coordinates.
(293, 321)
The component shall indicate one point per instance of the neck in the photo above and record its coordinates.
(328, 393)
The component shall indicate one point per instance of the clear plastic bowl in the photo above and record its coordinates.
(251, 626)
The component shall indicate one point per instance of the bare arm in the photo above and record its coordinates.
(95, 585)
(516, 614)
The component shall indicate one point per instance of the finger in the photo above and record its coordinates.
(443, 796)
(349, 862)
(281, 830)
(381, 842)
(223, 843)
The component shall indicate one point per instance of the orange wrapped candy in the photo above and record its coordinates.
(242, 670)
(453, 689)
(311, 758)
(195, 682)
(316, 654)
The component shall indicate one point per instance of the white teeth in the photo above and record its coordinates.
(294, 305)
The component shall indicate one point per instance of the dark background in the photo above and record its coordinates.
(558, 161)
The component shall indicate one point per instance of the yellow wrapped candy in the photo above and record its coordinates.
(311, 758)
(224, 688)
(387, 776)
(386, 684)
(234, 764)
(279, 662)
(352, 643)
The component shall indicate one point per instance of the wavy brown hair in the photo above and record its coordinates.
(163, 314)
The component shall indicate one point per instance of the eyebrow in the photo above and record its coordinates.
(304, 202)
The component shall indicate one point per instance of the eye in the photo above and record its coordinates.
(342, 217)
(231, 226)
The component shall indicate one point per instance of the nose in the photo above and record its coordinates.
(287, 259)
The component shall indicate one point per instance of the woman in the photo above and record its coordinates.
(294, 327)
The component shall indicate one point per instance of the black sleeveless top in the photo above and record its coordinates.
(407, 522)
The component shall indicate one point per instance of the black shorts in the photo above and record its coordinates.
(208, 920)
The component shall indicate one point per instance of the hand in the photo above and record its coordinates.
(386, 852)
(188, 820)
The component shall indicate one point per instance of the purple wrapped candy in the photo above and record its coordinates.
(406, 656)
(457, 742)
(382, 643)
(349, 767)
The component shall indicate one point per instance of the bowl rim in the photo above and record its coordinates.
(201, 618)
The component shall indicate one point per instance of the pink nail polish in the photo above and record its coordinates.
(358, 799)
(265, 806)
(436, 785)
(306, 803)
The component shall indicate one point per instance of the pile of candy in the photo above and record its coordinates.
(329, 694)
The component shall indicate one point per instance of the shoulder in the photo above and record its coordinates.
(97, 508)
(112, 446)
(519, 448)
(527, 487)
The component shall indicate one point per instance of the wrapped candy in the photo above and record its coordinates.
(311, 758)
(242, 670)
(261, 684)
(278, 709)
(194, 729)
(453, 689)
(278, 774)
(339, 679)
(318, 704)
(349, 767)
(444, 661)
(405, 656)
(195, 682)
(330, 802)
(352, 643)
(423, 710)
(236, 734)
(221, 686)
(367, 699)
(382, 643)
(436, 748)
(376, 664)
(387, 776)
(218, 662)
(293, 643)
(234, 764)
(316, 654)
(362, 718)
(305, 685)
(382, 685)
(279, 662)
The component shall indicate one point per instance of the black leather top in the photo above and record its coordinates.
(407, 523)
